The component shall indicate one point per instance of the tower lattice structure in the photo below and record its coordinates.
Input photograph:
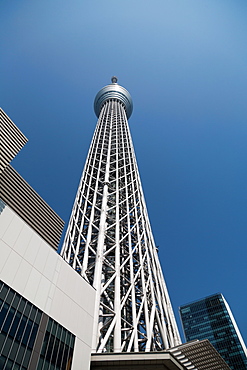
(109, 239)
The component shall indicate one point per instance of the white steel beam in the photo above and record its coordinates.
(110, 243)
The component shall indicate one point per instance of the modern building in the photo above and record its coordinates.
(211, 318)
(12, 140)
(38, 308)
(17, 193)
(109, 240)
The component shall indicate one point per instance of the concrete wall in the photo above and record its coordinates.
(31, 267)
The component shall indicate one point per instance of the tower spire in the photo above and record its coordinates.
(109, 239)
(114, 79)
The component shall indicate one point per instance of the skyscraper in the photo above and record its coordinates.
(109, 239)
(211, 318)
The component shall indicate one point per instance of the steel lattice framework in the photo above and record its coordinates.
(109, 239)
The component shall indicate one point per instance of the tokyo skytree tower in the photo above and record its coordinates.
(109, 239)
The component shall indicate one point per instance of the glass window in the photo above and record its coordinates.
(10, 297)
(33, 335)
(49, 325)
(40, 364)
(27, 332)
(55, 351)
(60, 354)
(54, 328)
(15, 324)
(68, 338)
(7, 346)
(4, 292)
(3, 313)
(16, 301)
(2, 340)
(27, 309)
(33, 313)
(45, 343)
(19, 325)
(8, 320)
(20, 331)
(63, 334)
(9, 365)
(50, 348)
(2, 361)
(21, 305)
(20, 354)
(27, 358)
(59, 331)
(38, 317)
(65, 357)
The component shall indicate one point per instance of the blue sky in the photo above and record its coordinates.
(185, 65)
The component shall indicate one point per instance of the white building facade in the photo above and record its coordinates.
(34, 271)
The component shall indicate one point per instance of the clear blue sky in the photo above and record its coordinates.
(185, 65)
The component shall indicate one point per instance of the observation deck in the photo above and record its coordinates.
(113, 91)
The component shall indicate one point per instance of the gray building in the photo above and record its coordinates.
(211, 318)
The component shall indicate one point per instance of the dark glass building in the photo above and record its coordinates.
(211, 318)
(30, 339)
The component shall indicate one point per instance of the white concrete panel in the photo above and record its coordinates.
(81, 362)
(55, 277)
(9, 269)
(84, 295)
(5, 251)
(23, 240)
(52, 291)
(90, 302)
(60, 261)
(32, 285)
(5, 219)
(66, 279)
(22, 276)
(51, 263)
(86, 333)
(78, 288)
(78, 325)
(42, 292)
(32, 268)
(32, 248)
(61, 308)
(48, 305)
(13, 230)
(42, 257)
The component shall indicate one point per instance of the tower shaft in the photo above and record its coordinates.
(109, 242)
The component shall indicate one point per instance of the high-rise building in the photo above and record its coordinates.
(211, 318)
(109, 239)
(36, 331)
